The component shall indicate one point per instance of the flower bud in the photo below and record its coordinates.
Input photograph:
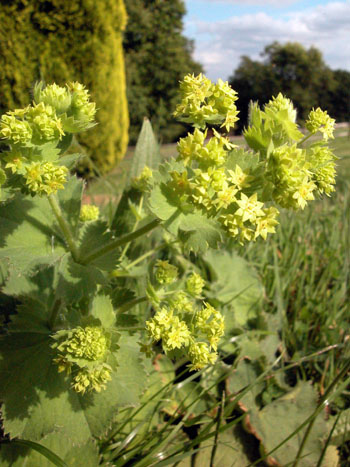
(89, 212)
(195, 284)
(165, 273)
(53, 95)
(319, 120)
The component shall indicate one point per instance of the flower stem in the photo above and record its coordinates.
(305, 138)
(133, 230)
(131, 304)
(64, 227)
(120, 241)
(54, 313)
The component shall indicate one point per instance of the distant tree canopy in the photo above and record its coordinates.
(77, 40)
(157, 56)
(298, 73)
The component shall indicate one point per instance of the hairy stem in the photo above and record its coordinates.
(120, 241)
(64, 227)
(128, 305)
(134, 228)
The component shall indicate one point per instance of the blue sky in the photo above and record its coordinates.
(223, 30)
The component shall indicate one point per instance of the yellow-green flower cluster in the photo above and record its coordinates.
(321, 161)
(193, 148)
(33, 125)
(35, 136)
(281, 104)
(181, 302)
(165, 273)
(71, 103)
(90, 343)
(250, 220)
(298, 174)
(82, 110)
(83, 352)
(184, 326)
(142, 182)
(319, 120)
(206, 102)
(195, 332)
(92, 380)
(219, 192)
(195, 284)
(173, 331)
(239, 193)
(44, 178)
(56, 96)
(89, 212)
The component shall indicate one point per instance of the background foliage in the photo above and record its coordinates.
(157, 57)
(79, 40)
(300, 74)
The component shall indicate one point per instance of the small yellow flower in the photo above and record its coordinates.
(319, 120)
(249, 208)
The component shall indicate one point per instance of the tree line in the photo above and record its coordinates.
(158, 55)
(299, 73)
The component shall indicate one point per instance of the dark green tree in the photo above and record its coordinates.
(298, 73)
(60, 41)
(340, 97)
(157, 56)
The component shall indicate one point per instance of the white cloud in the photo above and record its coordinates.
(219, 45)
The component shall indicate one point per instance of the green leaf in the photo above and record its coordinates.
(70, 160)
(19, 453)
(256, 135)
(2, 177)
(146, 152)
(196, 230)
(125, 389)
(164, 202)
(38, 287)
(149, 415)
(245, 375)
(15, 454)
(28, 237)
(121, 295)
(160, 203)
(29, 234)
(76, 281)
(70, 202)
(3, 272)
(93, 236)
(65, 142)
(288, 413)
(234, 282)
(341, 433)
(102, 309)
(37, 400)
(49, 152)
(124, 219)
(247, 161)
(231, 450)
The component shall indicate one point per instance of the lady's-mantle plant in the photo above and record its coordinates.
(73, 349)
